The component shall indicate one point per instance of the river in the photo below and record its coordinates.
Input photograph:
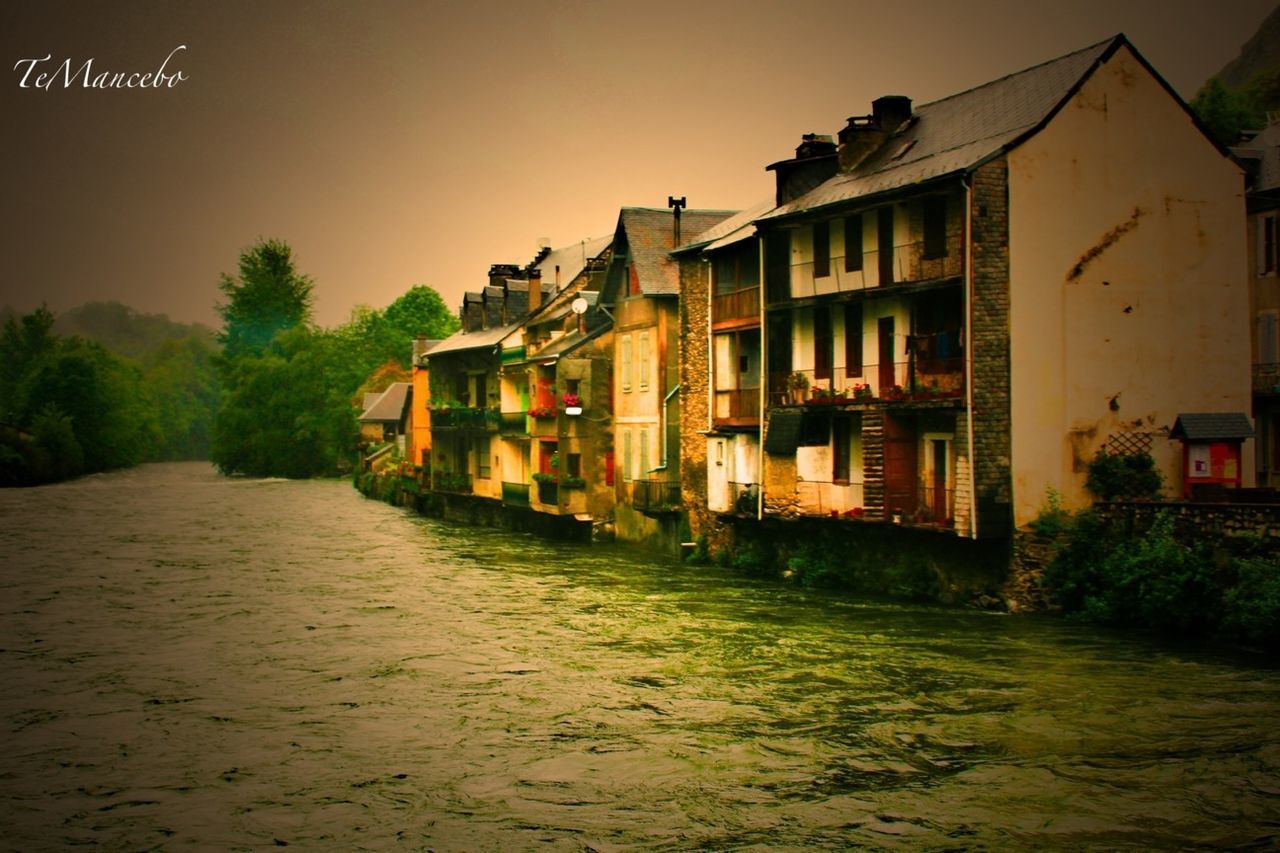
(196, 662)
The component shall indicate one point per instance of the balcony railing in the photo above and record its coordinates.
(548, 493)
(509, 422)
(937, 506)
(738, 305)
(457, 484)
(909, 267)
(829, 498)
(737, 405)
(464, 418)
(515, 494)
(902, 381)
(743, 498)
(655, 495)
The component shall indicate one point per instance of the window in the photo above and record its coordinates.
(1266, 245)
(1268, 340)
(626, 364)
(626, 455)
(840, 446)
(853, 339)
(853, 243)
(815, 430)
(935, 226)
(482, 458)
(644, 361)
(642, 465)
(822, 342)
(822, 250)
(573, 465)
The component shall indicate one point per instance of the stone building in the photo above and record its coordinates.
(965, 300)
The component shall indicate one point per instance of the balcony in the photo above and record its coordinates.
(937, 506)
(515, 494)
(513, 423)
(909, 267)
(830, 498)
(737, 407)
(900, 382)
(655, 496)
(464, 418)
(455, 484)
(736, 306)
(743, 498)
(548, 493)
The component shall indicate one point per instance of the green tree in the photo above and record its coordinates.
(421, 311)
(24, 341)
(267, 297)
(1226, 113)
(182, 384)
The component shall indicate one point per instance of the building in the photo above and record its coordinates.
(965, 300)
(496, 418)
(642, 293)
(1261, 156)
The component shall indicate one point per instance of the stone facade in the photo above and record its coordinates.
(695, 283)
(991, 470)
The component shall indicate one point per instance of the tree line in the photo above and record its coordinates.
(270, 394)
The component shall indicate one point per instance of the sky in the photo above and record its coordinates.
(401, 143)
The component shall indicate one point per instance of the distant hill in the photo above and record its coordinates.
(121, 329)
(1259, 55)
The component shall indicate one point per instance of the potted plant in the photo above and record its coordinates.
(797, 384)
(572, 404)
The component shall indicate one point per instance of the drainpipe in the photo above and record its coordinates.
(666, 403)
(968, 352)
(711, 352)
(764, 388)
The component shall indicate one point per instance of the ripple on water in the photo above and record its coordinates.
(200, 662)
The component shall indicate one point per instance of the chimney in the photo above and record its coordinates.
(557, 278)
(864, 134)
(677, 204)
(494, 297)
(891, 111)
(517, 300)
(815, 161)
(499, 273)
(472, 313)
(535, 290)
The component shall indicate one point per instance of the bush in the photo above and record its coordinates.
(1120, 477)
(1053, 520)
(1252, 607)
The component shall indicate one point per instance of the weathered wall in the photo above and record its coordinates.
(1129, 294)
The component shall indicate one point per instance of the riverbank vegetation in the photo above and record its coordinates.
(1159, 577)
(71, 405)
(290, 389)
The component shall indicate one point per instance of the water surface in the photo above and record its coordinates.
(195, 662)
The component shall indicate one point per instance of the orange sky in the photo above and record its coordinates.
(398, 143)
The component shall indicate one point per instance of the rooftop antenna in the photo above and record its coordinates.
(676, 203)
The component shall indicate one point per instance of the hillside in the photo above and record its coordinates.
(1259, 55)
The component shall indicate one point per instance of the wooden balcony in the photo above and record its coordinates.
(737, 407)
(737, 308)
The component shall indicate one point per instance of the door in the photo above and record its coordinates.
(939, 486)
(885, 327)
(899, 467)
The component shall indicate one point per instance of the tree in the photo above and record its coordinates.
(1226, 113)
(268, 296)
(421, 311)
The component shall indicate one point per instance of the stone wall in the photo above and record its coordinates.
(695, 374)
(1195, 521)
(991, 469)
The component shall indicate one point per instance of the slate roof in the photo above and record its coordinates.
(459, 341)
(737, 228)
(962, 131)
(389, 405)
(572, 259)
(1211, 426)
(650, 233)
